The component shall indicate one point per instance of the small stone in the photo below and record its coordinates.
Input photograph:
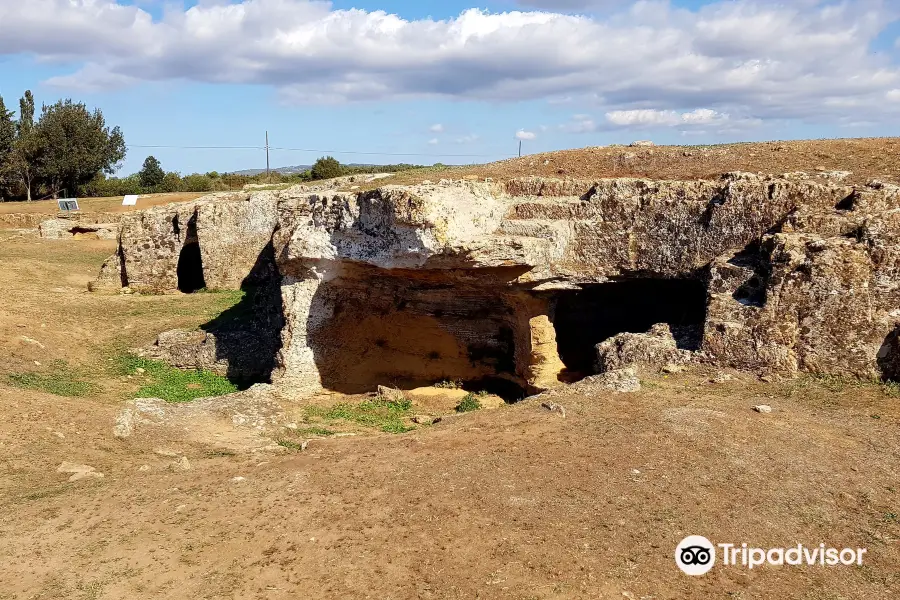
(423, 420)
(391, 394)
(144, 468)
(166, 452)
(672, 368)
(33, 342)
(182, 464)
(79, 471)
(238, 479)
(37, 363)
(140, 371)
(763, 408)
(59, 434)
(635, 472)
(722, 378)
(554, 407)
(124, 426)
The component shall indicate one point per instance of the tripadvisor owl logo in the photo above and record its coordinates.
(695, 555)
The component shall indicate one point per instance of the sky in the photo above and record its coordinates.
(386, 81)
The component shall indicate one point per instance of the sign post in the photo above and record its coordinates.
(67, 204)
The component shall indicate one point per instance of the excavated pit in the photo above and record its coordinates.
(586, 317)
(409, 329)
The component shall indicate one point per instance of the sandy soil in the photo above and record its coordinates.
(511, 503)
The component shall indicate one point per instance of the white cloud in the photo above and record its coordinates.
(665, 118)
(433, 142)
(468, 139)
(525, 135)
(753, 59)
(436, 128)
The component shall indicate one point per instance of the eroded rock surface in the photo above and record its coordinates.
(515, 285)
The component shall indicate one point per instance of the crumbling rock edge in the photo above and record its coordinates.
(408, 285)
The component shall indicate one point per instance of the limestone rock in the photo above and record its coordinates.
(763, 408)
(78, 471)
(619, 380)
(57, 229)
(465, 279)
(391, 394)
(649, 351)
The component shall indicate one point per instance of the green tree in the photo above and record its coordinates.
(172, 183)
(75, 145)
(7, 143)
(151, 173)
(326, 167)
(26, 114)
(26, 151)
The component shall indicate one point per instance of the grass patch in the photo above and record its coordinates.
(380, 413)
(290, 445)
(171, 384)
(315, 431)
(470, 403)
(60, 380)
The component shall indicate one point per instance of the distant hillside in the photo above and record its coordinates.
(292, 170)
(282, 170)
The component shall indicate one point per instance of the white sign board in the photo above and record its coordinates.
(130, 201)
(67, 204)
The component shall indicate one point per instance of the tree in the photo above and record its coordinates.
(26, 114)
(26, 150)
(75, 145)
(151, 173)
(326, 167)
(7, 142)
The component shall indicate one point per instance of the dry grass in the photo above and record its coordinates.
(97, 205)
(866, 159)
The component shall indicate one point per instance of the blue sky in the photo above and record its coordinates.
(440, 82)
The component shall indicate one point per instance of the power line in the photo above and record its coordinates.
(143, 146)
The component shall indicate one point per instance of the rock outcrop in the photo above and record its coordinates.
(515, 285)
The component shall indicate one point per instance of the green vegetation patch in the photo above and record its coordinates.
(470, 403)
(60, 380)
(171, 384)
(387, 415)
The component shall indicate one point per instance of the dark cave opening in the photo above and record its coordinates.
(190, 269)
(586, 317)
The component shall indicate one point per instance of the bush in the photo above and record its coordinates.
(469, 404)
(171, 183)
(326, 167)
(197, 183)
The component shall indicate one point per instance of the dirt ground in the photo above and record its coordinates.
(517, 502)
(864, 160)
(97, 205)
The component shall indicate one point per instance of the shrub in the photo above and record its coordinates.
(171, 183)
(197, 183)
(469, 404)
(326, 167)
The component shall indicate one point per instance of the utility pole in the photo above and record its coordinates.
(520, 148)
(267, 156)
